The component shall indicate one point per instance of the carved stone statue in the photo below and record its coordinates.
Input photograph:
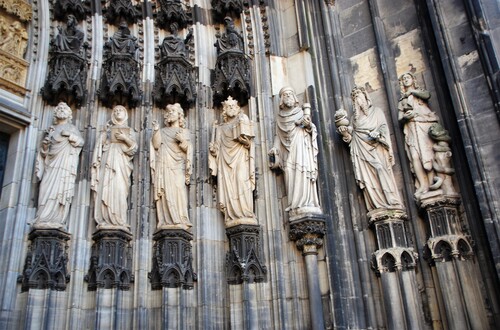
(231, 159)
(56, 167)
(173, 45)
(295, 152)
(69, 39)
(111, 169)
(231, 40)
(371, 152)
(171, 158)
(442, 160)
(122, 42)
(417, 118)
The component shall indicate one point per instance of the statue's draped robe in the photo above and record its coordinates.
(235, 170)
(416, 131)
(57, 169)
(373, 160)
(111, 169)
(297, 152)
(170, 167)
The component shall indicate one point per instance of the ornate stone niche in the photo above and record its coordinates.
(394, 252)
(244, 260)
(174, 76)
(120, 80)
(173, 260)
(78, 8)
(14, 16)
(231, 76)
(111, 260)
(447, 239)
(116, 11)
(223, 8)
(173, 11)
(45, 266)
(67, 74)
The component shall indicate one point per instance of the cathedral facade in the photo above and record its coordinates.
(249, 164)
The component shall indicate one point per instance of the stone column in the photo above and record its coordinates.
(394, 262)
(449, 250)
(307, 231)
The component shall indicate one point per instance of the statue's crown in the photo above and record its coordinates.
(229, 101)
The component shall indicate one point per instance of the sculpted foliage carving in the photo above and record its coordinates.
(78, 8)
(223, 8)
(173, 11)
(122, 10)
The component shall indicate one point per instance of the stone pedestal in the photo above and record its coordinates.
(45, 266)
(111, 261)
(173, 260)
(449, 250)
(307, 232)
(244, 261)
(394, 262)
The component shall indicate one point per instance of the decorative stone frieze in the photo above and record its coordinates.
(173, 11)
(111, 260)
(231, 76)
(13, 72)
(19, 8)
(45, 266)
(245, 261)
(172, 260)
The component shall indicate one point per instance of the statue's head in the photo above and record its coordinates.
(230, 108)
(288, 97)
(360, 99)
(119, 115)
(174, 113)
(174, 27)
(228, 21)
(63, 111)
(407, 80)
(71, 21)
